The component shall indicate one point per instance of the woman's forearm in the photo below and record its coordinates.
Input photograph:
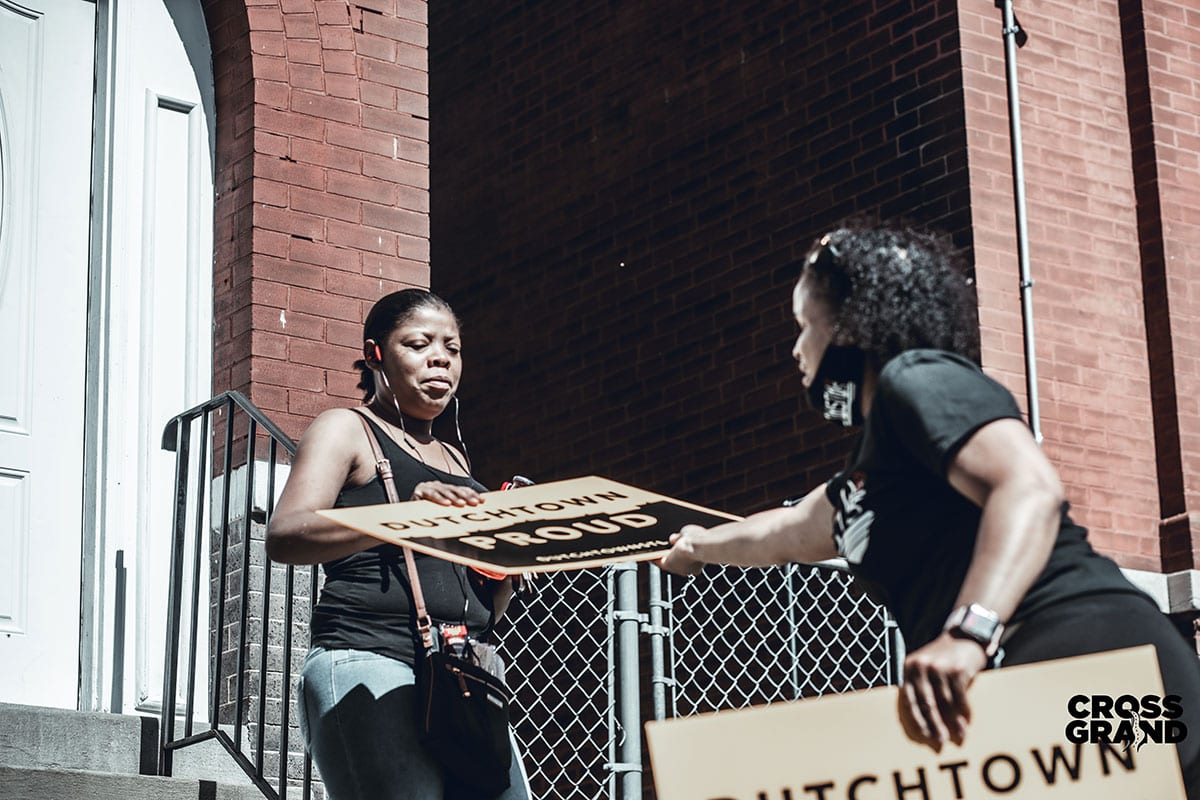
(305, 537)
(776, 536)
(752, 542)
(1017, 530)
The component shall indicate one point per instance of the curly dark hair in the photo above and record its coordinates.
(893, 289)
(390, 312)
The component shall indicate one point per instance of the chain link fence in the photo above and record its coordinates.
(727, 639)
(559, 646)
(742, 637)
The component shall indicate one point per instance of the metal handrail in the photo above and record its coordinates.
(226, 399)
(192, 498)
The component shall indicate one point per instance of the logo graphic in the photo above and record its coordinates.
(852, 522)
(1125, 720)
(1139, 735)
(839, 402)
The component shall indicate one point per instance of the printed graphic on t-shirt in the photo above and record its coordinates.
(851, 521)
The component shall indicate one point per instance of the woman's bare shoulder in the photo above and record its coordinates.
(337, 429)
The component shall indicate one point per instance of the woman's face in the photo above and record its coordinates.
(422, 360)
(816, 329)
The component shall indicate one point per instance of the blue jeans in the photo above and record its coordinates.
(356, 712)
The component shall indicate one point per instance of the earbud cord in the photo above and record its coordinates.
(459, 571)
(458, 432)
(408, 439)
(445, 451)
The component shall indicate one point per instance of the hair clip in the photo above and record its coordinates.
(824, 244)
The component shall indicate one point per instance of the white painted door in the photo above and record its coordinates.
(160, 316)
(46, 68)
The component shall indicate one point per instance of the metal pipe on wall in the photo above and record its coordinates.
(1011, 33)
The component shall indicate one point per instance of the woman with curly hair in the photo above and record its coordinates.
(947, 510)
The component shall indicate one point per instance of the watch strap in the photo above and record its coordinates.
(977, 623)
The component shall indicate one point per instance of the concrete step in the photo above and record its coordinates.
(58, 739)
(22, 783)
(55, 738)
(211, 761)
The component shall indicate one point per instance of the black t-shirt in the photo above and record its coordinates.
(907, 534)
(366, 602)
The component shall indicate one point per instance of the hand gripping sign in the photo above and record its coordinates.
(570, 524)
(1021, 743)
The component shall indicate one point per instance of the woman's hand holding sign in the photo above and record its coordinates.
(934, 704)
(681, 558)
(766, 539)
(447, 494)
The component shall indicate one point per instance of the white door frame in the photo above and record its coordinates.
(92, 694)
(111, 309)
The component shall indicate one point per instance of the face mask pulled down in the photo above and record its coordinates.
(836, 390)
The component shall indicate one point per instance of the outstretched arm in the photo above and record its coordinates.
(802, 532)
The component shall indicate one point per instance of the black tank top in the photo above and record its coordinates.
(366, 601)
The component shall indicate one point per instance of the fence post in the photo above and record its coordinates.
(895, 642)
(629, 713)
(791, 575)
(658, 632)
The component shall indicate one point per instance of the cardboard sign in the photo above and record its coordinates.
(1022, 742)
(571, 524)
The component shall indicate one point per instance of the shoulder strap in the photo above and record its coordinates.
(384, 468)
(454, 455)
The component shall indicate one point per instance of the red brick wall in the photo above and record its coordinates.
(620, 195)
(622, 192)
(1161, 42)
(322, 180)
(1079, 103)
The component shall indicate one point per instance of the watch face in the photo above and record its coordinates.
(981, 625)
(977, 623)
(978, 627)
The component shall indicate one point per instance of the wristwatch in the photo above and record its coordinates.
(978, 624)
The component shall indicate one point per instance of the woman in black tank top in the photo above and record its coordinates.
(355, 695)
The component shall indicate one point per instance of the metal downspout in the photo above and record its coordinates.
(1011, 31)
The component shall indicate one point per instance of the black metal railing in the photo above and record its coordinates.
(228, 432)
